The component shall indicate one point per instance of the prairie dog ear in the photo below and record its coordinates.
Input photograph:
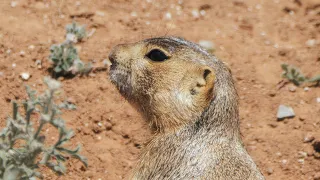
(205, 77)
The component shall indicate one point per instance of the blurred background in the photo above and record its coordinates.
(254, 37)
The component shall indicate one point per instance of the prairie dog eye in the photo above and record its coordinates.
(157, 55)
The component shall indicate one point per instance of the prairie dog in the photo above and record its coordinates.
(188, 97)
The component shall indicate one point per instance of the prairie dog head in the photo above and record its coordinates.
(167, 79)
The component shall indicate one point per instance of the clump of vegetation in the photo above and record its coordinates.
(64, 57)
(65, 60)
(22, 146)
(75, 32)
(295, 76)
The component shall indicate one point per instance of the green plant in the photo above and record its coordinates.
(23, 148)
(75, 32)
(294, 75)
(65, 60)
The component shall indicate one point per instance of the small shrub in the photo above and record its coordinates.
(65, 60)
(75, 32)
(295, 76)
(22, 148)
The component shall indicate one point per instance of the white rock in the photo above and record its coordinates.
(25, 76)
(306, 89)
(207, 44)
(100, 13)
(168, 16)
(318, 99)
(8, 51)
(14, 3)
(203, 12)
(14, 65)
(134, 14)
(285, 112)
(1, 73)
(195, 13)
(31, 47)
(22, 53)
(311, 42)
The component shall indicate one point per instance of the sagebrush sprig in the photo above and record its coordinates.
(75, 32)
(294, 75)
(65, 60)
(21, 145)
(64, 57)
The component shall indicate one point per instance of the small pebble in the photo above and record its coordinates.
(292, 89)
(14, 3)
(38, 63)
(14, 65)
(31, 47)
(285, 112)
(306, 89)
(302, 154)
(308, 138)
(168, 16)
(134, 14)
(100, 13)
(301, 161)
(311, 42)
(269, 171)
(1, 73)
(25, 76)
(195, 13)
(99, 124)
(8, 51)
(318, 100)
(22, 53)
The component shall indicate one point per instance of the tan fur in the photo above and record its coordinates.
(191, 104)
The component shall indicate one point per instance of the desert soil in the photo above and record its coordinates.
(253, 36)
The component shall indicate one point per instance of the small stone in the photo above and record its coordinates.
(318, 100)
(301, 161)
(25, 76)
(195, 13)
(269, 171)
(308, 138)
(302, 154)
(311, 42)
(302, 118)
(285, 112)
(99, 124)
(279, 154)
(22, 53)
(14, 65)
(38, 63)
(168, 16)
(14, 3)
(292, 89)
(8, 51)
(273, 125)
(31, 47)
(209, 45)
(306, 89)
(133, 14)
(100, 13)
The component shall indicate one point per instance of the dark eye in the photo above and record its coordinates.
(157, 55)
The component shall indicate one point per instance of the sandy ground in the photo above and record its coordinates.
(253, 36)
